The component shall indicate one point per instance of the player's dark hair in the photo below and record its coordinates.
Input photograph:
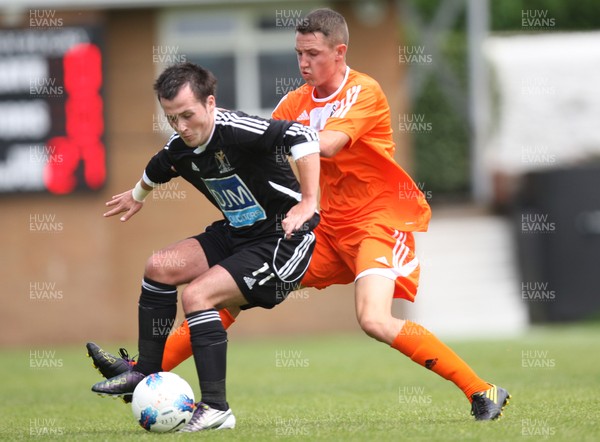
(330, 23)
(202, 82)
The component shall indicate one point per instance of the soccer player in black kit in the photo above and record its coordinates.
(252, 258)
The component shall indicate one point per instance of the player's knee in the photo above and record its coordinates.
(157, 270)
(192, 300)
(373, 327)
(186, 301)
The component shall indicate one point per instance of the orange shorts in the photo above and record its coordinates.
(357, 251)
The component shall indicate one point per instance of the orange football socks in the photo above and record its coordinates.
(179, 347)
(414, 341)
(425, 349)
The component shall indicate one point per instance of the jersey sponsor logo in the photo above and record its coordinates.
(222, 162)
(235, 200)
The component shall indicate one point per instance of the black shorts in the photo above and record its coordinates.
(266, 269)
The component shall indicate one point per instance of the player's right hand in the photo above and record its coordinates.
(123, 202)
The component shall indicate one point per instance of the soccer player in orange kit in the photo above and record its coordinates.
(365, 235)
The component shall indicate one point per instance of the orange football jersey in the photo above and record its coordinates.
(362, 183)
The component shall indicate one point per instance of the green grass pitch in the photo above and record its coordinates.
(328, 388)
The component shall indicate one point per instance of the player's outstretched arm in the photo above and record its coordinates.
(129, 202)
(308, 172)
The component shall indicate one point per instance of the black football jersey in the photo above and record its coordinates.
(243, 169)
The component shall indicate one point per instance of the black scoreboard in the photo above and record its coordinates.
(51, 110)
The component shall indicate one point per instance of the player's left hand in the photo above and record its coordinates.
(297, 218)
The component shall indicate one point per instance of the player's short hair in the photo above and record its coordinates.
(328, 22)
(202, 81)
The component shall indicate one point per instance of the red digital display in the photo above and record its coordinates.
(51, 94)
(83, 121)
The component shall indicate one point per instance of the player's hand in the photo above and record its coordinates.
(123, 202)
(297, 218)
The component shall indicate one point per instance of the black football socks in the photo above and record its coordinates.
(209, 344)
(156, 314)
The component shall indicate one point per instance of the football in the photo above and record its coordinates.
(163, 402)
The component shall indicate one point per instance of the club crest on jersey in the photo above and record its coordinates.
(222, 162)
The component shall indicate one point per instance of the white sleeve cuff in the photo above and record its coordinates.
(148, 181)
(303, 149)
(139, 193)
